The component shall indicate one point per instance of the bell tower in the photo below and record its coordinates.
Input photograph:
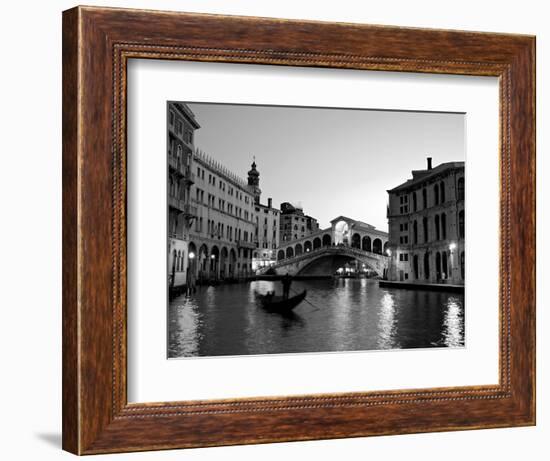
(254, 182)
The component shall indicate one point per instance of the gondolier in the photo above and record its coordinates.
(286, 281)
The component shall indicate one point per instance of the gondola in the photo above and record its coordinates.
(278, 304)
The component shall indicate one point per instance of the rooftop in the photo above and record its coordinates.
(419, 176)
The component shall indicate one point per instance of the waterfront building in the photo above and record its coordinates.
(294, 224)
(222, 240)
(267, 235)
(181, 213)
(267, 223)
(427, 227)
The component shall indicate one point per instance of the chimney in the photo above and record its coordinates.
(429, 163)
(269, 202)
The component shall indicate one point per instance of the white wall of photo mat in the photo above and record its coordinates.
(153, 378)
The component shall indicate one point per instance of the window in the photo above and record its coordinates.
(424, 198)
(425, 228)
(462, 265)
(426, 266)
(460, 188)
(414, 201)
(415, 233)
(443, 226)
(461, 224)
(436, 194)
(442, 191)
(436, 222)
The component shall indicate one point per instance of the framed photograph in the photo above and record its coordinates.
(282, 230)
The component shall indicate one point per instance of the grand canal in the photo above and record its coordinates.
(339, 315)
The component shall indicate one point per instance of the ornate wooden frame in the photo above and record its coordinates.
(97, 43)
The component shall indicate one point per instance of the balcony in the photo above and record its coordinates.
(190, 211)
(176, 165)
(245, 244)
(188, 176)
(181, 169)
(176, 203)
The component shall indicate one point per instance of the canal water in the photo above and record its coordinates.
(339, 315)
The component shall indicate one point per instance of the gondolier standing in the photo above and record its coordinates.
(287, 281)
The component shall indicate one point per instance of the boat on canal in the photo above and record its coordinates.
(274, 303)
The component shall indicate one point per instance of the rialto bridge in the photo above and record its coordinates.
(323, 252)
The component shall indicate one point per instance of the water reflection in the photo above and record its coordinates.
(387, 323)
(339, 315)
(453, 333)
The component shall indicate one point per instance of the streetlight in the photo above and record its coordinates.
(452, 246)
(191, 255)
(388, 252)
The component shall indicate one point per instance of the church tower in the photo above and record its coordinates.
(254, 182)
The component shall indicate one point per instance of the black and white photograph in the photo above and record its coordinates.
(313, 230)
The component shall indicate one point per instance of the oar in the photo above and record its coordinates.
(312, 305)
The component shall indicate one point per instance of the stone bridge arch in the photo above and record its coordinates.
(325, 261)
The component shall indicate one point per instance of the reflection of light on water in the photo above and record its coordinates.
(453, 325)
(387, 323)
(185, 327)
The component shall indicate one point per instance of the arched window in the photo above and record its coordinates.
(426, 266)
(377, 246)
(462, 265)
(316, 243)
(298, 249)
(415, 266)
(438, 266)
(174, 261)
(289, 252)
(366, 244)
(280, 255)
(443, 226)
(442, 191)
(436, 194)
(415, 232)
(295, 226)
(445, 274)
(460, 189)
(172, 192)
(356, 241)
(425, 228)
(424, 198)
(326, 240)
(436, 222)
(414, 201)
(178, 261)
(461, 224)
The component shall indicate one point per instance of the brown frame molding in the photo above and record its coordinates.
(97, 43)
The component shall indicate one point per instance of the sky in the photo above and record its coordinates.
(331, 161)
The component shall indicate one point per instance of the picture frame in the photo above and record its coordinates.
(97, 44)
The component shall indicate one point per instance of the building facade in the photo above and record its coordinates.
(267, 235)
(222, 240)
(294, 224)
(181, 213)
(427, 226)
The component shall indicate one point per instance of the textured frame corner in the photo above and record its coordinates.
(94, 230)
